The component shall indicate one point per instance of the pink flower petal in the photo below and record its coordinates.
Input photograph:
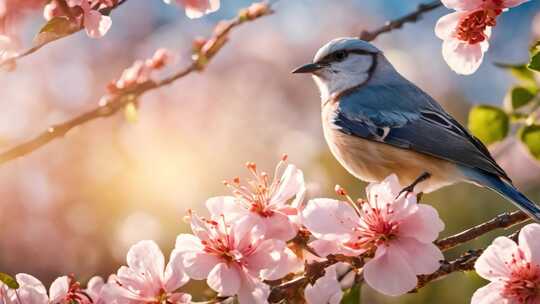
(529, 242)
(224, 279)
(199, 8)
(279, 226)
(489, 294)
(423, 258)
(199, 264)
(291, 184)
(491, 265)
(323, 248)
(462, 57)
(247, 230)
(253, 291)
(59, 289)
(96, 25)
(446, 25)
(326, 290)
(146, 258)
(266, 255)
(129, 278)
(286, 263)
(389, 272)
(187, 243)
(225, 205)
(385, 191)
(31, 290)
(26, 280)
(329, 219)
(424, 224)
(94, 287)
(463, 5)
(175, 275)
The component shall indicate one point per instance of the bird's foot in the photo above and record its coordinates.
(410, 188)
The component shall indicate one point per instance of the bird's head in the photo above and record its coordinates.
(341, 64)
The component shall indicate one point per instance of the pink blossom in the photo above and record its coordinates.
(233, 257)
(197, 8)
(465, 33)
(63, 290)
(30, 290)
(326, 290)
(400, 230)
(94, 290)
(86, 12)
(514, 270)
(273, 203)
(146, 279)
(141, 71)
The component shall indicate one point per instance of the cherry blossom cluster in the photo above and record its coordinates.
(141, 71)
(466, 32)
(250, 240)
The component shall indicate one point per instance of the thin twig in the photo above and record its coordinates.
(121, 99)
(503, 220)
(464, 263)
(399, 22)
(11, 61)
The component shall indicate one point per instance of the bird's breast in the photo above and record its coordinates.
(372, 161)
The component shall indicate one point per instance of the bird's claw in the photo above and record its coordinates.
(410, 188)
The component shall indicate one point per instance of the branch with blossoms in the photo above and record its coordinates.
(265, 243)
(136, 81)
(67, 17)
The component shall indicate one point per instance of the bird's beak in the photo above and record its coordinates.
(308, 68)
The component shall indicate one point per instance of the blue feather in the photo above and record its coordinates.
(401, 115)
(505, 189)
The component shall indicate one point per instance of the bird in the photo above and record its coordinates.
(377, 123)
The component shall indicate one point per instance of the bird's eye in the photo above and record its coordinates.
(340, 55)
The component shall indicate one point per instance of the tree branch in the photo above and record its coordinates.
(119, 100)
(399, 22)
(504, 220)
(465, 262)
(11, 61)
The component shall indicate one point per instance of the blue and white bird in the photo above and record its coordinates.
(377, 123)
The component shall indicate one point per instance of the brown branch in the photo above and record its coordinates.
(290, 289)
(313, 271)
(399, 22)
(504, 220)
(119, 100)
(11, 61)
(463, 263)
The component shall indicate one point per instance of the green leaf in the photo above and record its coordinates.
(535, 62)
(8, 280)
(518, 97)
(352, 296)
(54, 29)
(521, 73)
(490, 124)
(530, 136)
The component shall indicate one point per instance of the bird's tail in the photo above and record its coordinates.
(506, 190)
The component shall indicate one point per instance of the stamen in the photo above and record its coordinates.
(342, 192)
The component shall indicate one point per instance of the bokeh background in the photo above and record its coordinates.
(76, 205)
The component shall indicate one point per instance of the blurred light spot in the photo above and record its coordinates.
(137, 226)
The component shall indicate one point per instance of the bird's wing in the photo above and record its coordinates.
(404, 116)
